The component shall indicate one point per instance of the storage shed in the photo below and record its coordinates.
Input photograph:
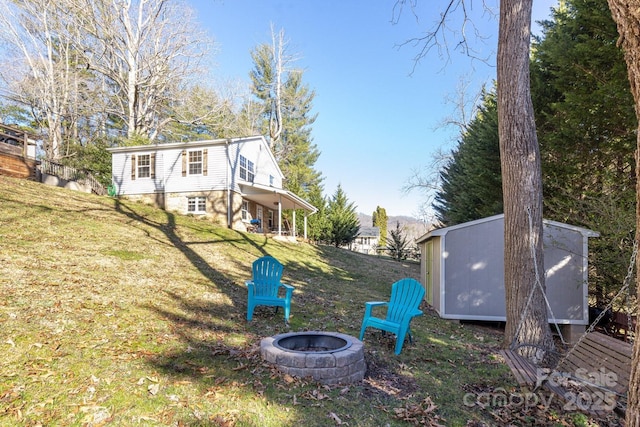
(462, 268)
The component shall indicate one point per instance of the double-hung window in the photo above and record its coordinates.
(194, 162)
(143, 166)
(245, 210)
(196, 204)
(247, 170)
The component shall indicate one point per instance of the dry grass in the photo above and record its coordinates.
(115, 313)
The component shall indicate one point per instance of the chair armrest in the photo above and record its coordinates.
(415, 313)
(368, 306)
(288, 288)
(250, 286)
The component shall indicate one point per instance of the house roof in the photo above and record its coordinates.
(443, 231)
(369, 232)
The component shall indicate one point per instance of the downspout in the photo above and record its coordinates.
(305, 224)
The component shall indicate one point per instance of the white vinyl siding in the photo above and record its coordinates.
(220, 167)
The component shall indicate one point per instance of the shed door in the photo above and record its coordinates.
(429, 272)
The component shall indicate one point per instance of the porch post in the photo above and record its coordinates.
(293, 231)
(280, 216)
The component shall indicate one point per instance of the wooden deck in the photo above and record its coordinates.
(17, 153)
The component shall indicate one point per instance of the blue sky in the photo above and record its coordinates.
(378, 122)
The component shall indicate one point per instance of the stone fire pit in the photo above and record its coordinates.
(327, 357)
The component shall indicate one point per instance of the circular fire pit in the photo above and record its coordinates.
(327, 357)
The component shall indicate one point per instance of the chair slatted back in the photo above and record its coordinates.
(267, 274)
(406, 296)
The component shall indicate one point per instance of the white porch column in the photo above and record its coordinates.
(293, 231)
(280, 217)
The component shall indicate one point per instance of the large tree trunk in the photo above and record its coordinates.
(626, 13)
(521, 181)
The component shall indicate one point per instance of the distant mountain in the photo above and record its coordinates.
(413, 227)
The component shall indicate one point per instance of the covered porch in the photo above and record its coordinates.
(266, 204)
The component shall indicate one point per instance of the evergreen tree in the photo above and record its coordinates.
(587, 131)
(380, 219)
(317, 224)
(287, 118)
(398, 245)
(343, 224)
(471, 181)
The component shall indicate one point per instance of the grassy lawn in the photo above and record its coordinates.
(115, 313)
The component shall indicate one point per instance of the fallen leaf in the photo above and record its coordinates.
(153, 389)
(335, 418)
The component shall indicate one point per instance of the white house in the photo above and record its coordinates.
(231, 181)
(462, 269)
(367, 240)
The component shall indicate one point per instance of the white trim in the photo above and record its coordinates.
(444, 230)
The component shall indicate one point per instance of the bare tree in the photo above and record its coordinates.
(104, 63)
(44, 72)
(626, 14)
(145, 49)
(427, 179)
(272, 67)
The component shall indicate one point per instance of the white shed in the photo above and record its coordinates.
(462, 268)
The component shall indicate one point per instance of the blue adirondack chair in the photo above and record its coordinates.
(406, 296)
(265, 287)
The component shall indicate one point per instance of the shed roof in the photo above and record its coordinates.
(500, 217)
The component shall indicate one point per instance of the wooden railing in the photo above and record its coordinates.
(16, 137)
(71, 174)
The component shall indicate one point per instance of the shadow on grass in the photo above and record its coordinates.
(217, 347)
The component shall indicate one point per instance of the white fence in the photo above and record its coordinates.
(70, 174)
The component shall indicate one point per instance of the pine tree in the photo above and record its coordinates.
(318, 223)
(287, 118)
(398, 245)
(343, 224)
(380, 219)
(587, 131)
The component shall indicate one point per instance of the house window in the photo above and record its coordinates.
(271, 180)
(144, 166)
(197, 204)
(247, 171)
(195, 162)
(245, 210)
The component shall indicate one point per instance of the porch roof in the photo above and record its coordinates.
(270, 196)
